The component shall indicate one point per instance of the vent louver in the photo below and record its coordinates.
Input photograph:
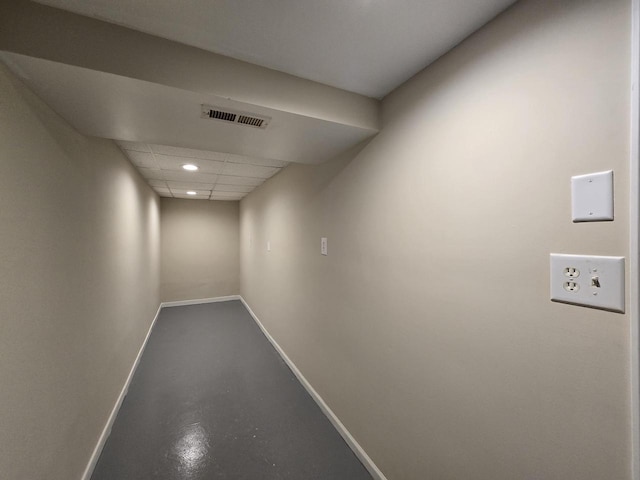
(253, 121)
(226, 116)
(231, 116)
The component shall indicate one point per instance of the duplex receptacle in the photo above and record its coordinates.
(571, 286)
(571, 272)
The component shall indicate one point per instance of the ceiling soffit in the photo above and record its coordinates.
(117, 83)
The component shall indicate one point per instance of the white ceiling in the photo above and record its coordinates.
(364, 46)
(221, 176)
(113, 106)
(146, 93)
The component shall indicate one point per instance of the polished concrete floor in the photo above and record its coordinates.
(212, 399)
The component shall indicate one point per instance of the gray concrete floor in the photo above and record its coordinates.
(212, 399)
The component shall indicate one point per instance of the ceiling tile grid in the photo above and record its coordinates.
(220, 176)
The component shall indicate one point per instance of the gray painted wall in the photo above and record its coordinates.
(428, 328)
(200, 249)
(79, 285)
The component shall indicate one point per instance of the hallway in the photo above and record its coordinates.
(211, 398)
(386, 187)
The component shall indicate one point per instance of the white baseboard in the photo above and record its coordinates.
(179, 303)
(116, 408)
(342, 430)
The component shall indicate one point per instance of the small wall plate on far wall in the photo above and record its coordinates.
(592, 197)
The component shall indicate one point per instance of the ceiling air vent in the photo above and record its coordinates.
(232, 116)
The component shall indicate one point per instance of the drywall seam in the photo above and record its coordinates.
(93, 460)
(180, 303)
(342, 430)
(634, 229)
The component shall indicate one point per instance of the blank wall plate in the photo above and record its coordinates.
(590, 281)
(592, 197)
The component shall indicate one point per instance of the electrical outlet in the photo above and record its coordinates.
(571, 286)
(590, 281)
(571, 272)
(268, 246)
(323, 245)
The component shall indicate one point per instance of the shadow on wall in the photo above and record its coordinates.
(63, 134)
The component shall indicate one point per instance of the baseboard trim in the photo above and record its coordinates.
(196, 301)
(339, 426)
(116, 408)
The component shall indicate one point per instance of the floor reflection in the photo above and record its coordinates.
(191, 450)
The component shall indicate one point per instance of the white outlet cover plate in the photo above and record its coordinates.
(567, 271)
(323, 245)
(592, 197)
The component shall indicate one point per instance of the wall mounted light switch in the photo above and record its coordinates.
(323, 246)
(592, 197)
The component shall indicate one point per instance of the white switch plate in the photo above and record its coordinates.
(323, 245)
(591, 281)
(268, 246)
(592, 197)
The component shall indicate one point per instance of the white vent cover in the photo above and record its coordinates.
(234, 116)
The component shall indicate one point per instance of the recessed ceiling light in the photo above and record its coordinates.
(191, 192)
(190, 166)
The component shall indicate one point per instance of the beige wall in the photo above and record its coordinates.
(428, 329)
(200, 257)
(79, 256)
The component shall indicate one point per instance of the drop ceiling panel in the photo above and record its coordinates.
(228, 194)
(156, 183)
(245, 170)
(166, 162)
(190, 186)
(233, 188)
(191, 197)
(200, 181)
(187, 152)
(218, 196)
(264, 162)
(183, 191)
(247, 181)
(142, 159)
(185, 176)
